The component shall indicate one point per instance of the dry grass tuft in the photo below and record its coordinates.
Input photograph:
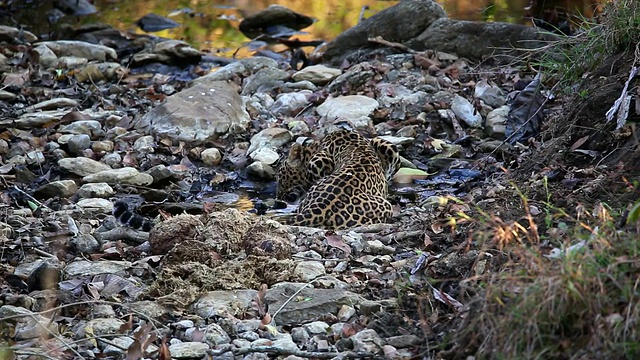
(577, 302)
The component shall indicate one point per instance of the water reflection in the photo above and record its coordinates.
(212, 25)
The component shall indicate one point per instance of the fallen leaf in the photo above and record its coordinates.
(526, 115)
(579, 143)
(408, 175)
(336, 242)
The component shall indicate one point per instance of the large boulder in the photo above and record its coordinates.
(398, 23)
(201, 113)
(478, 40)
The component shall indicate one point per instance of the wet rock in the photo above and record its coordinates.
(80, 49)
(75, 7)
(398, 23)
(367, 341)
(309, 270)
(211, 156)
(264, 80)
(198, 114)
(82, 166)
(261, 170)
(221, 303)
(496, 124)
(153, 22)
(61, 188)
(16, 36)
(322, 303)
(274, 15)
(466, 112)
(290, 104)
(354, 108)
(78, 143)
(274, 138)
(317, 74)
(86, 267)
(84, 243)
(265, 155)
(29, 326)
(476, 40)
(123, 176)
(92, 128)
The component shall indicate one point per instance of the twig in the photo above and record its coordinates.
(43, 253)
(393, 45)
(31, 198)
(400, 235)
(289, 299)
(124, 233)
(312, 259)
(57, 336)
(300, 353)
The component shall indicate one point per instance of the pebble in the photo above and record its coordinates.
(308, 270)
(96, 190)
(122, 176)
(96, 205)
(211, 157)
(188, 350)
(78, 143)
(465, 112)
(82, 166)
(261, 170)
(60, 188)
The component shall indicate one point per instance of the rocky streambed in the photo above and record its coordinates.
(194, 142)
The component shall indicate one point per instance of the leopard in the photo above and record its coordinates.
(340, 182)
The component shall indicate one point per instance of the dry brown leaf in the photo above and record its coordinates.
(427, 241)
(579, 143)
(336, 242)
(163, 352)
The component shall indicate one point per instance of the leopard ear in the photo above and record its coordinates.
(295, 155)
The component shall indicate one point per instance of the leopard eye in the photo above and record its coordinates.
(290, 197)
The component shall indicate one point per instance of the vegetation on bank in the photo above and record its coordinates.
(568, 285)
(616, 30)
